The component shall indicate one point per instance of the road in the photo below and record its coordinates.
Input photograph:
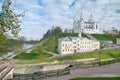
(112, 70)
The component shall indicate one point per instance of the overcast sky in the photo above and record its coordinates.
(40, 15)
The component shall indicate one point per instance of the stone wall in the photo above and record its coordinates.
(24, 69)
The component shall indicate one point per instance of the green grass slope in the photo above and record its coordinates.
(106, 54)
(34, 54)
(103, 37)
(106, 37)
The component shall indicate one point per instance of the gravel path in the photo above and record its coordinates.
(112, 70)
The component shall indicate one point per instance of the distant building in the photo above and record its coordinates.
(113, 32)
(68, 30)
(70, 45)
(90, 26)
(118, 41)
(106, 44)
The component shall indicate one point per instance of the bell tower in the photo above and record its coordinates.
(81, 16)
(81, 23)
(75, 24)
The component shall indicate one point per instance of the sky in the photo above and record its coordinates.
(41, 15)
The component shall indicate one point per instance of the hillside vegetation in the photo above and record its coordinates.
(34, 54)
(37, 53)
(107, 37)
(51, 42)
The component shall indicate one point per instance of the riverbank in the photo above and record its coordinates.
(10, 55)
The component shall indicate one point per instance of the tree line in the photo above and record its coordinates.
(52, 32)
(51, 38)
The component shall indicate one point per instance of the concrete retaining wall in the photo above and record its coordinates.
(24, 69)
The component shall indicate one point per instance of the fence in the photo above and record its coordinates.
(41, 75)
(95, 64)
(109, 62)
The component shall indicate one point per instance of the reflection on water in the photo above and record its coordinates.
(6, 55)
(25, 46)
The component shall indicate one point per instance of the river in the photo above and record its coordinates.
(25, 46)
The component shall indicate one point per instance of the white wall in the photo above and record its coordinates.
(77, 46)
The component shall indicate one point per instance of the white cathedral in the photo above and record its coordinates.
(89, 27)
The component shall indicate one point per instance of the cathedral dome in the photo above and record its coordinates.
(91, 19)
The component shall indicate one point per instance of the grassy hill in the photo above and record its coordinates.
(107, 37)
(106, 54)
(103, 37)
(34, 54)
(57, 36)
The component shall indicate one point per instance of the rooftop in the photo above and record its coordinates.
(70, 39)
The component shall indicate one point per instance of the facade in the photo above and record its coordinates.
(70, 45)
(118, 41)
(112, 32)
(90, 27)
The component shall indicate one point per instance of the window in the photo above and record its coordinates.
(66, 50)
(96, 26)
(74, 42)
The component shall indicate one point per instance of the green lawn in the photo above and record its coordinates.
(98, 78)
(106, 54)
(32, 55)
(108, 37)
